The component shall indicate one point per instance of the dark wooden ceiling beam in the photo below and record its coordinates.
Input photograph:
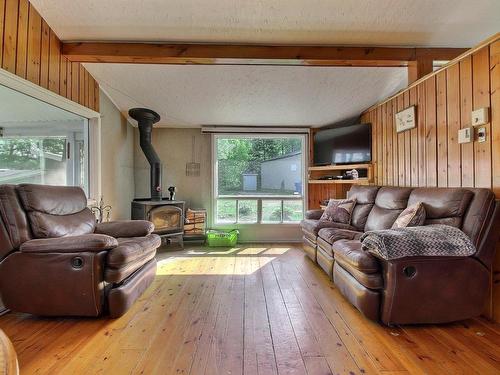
(235, 54)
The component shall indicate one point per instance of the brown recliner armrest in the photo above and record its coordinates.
(125, 228)
(71, 244)
(314, 214)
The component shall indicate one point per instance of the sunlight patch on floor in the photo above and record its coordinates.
(189, 266)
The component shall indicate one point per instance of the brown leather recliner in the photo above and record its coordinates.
(56, 261)
(413, 289)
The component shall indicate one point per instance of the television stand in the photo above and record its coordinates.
(321, 187)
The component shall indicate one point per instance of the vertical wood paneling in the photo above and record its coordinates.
(63, 73)
(495, 163)
(413, 135)
(86, 88)
(466, 149)
(430, 132)
(2, 19)
(44, 55)
(69, 79)
(91, 99)
(22, 38)
(380, 147)
(31, 50)
(383, 130)
(481, 98)
(453, 114)
(395, 150)
(54, 62)
(407, 161)
(34, 45)
(389, 152)
(10, 35)
(442, 130)
(422, 165)
(75, 73)
(495, 115)
(81, 85)
(401, 148)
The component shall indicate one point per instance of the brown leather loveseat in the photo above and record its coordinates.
(413, 289)
(56, 261)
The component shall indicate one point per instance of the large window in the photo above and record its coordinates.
(259, 179)
(41, 143)
(52, 157)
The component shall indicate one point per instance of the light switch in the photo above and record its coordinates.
(481, 134)
(480, 116)
(465, 135)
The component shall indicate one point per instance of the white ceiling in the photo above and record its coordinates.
(20, 110)
(450, 23)
(194, 95)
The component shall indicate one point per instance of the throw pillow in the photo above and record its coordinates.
(412, 216)
(339, 210)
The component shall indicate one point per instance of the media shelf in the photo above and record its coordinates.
(322, 189)
(317, 174)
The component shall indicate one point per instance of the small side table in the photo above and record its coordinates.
(8, 357)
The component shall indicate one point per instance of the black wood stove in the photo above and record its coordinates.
(167, 215)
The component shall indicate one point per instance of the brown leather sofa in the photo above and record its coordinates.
(56, 261)
(409, 290)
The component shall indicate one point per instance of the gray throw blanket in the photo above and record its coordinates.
(429, 240)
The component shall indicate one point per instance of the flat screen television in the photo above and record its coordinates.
(345, 145)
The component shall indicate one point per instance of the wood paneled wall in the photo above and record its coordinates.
(31, 50)
(430, 154)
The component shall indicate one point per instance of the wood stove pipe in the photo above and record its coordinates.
(145, 119)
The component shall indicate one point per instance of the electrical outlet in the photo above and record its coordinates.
(481, 134)
(480, 116)
(465, 135)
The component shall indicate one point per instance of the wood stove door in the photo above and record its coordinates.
(167, 219)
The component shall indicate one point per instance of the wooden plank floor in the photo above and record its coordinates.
(250, 310)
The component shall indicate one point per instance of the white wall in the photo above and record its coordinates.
(173, 146)
(117, 159)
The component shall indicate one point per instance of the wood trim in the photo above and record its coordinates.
(236, 54)
(30, 49)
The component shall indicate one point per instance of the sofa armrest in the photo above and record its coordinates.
(125, 228)
(72, 244)
(428, 290)
(314, 214)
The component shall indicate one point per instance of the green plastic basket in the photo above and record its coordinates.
(216, 238)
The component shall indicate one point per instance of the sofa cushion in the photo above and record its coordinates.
(350, 251)
(314, 226)
(54, 200)
(334, 234)
(50, 226)
(339, 210)
(389, 203)
(442, 205)
(56, 211)
(365, 199)
(132, 248)
(412, 216)
(328, 236)
(368, 280)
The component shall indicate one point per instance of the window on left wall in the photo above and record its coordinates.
(41, 144)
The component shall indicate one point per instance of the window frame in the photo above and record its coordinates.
(258, 197)
(28, 88)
